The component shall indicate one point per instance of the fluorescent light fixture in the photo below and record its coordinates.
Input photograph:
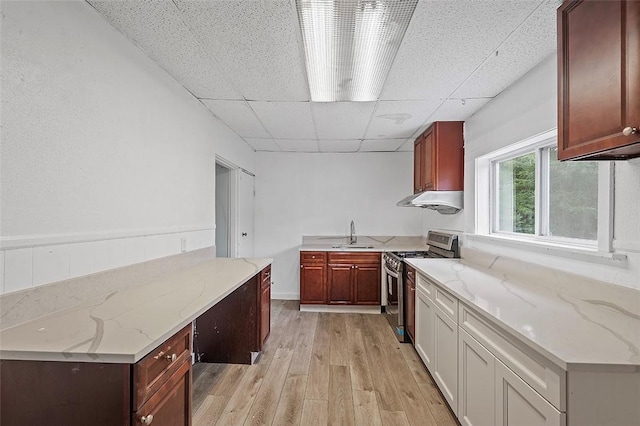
(350, 45)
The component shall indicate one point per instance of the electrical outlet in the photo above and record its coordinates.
(183, 244)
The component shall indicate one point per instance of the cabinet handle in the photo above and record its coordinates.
(301, 266)
(355, 266)
(628, 131)
(146, 420)
(170, 358)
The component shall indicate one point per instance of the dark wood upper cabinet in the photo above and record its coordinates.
(598, 80)
(439, 158)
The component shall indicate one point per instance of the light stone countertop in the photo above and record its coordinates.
(377, 243)
(125, 325)
(571, 320)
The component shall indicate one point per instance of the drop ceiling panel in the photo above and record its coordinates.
(239, 116)
(458, 109)
(262, 144)
(445, 43)
(291, 145)
(255, 42)
(286, 120)
(407, 146)
(342, 120)
(399, 119)
(383, 145)
(348, 145)
(525, 48)
(158, 29)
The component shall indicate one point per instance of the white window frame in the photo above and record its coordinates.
(485, 195)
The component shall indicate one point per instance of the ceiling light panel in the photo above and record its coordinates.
(350, 45)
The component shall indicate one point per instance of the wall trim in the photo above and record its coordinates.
(284, 295)
(26, 241)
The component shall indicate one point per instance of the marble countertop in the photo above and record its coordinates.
(375, 243)
(562, 316)
(125, 325)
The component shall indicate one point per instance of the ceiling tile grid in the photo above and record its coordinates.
(263, 144)
(157, 28)
(454, 109)
(286, 120)
(399, 119)
(239, 116)
(526, 47)
(342, 145)
(342, 120)
(255, 42)
(381, 145)
(292, 145)
(445, 43)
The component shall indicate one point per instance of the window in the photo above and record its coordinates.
(524, 192)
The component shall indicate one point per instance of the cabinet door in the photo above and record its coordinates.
(424, 329)
(410, 311)
(445, 360)
(265, 313)
(171, 404)
(313, 284)
(339, 283)
(518, 404)
(367, 284)
(598, 79)
(427, 162)
(476, 383)
(417, 165)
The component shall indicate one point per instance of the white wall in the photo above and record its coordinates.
(319, 194)
(527, 108)
(98, 144)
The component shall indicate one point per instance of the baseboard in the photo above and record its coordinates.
(284, 296)
(351, 309)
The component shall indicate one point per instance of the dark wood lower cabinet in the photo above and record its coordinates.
(313, 278)
(353, 278)
(171, 404)
(339, 278)
(159, 385)
(410, 302)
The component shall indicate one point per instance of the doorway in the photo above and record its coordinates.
(223, 211)
(234, 210)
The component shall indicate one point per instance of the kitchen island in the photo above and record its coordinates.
(509, 342)
(117, 358)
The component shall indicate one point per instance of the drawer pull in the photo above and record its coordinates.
(171, 357)
(628, 131)
(146, 420)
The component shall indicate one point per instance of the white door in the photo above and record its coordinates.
(424, 328)
(445, 360)
(244, 238)
(517, 404)
(476, 383)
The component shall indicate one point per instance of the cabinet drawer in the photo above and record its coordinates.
(425, 286)
(351, 257)
(538, 372)
(411, 274)
(446, 302)
(154, 369)
(171, 404)
(313, 256)
(265, 277)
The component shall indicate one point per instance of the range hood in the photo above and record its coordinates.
(444, 202)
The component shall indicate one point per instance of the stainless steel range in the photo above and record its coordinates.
(439, 245)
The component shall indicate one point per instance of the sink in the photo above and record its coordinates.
(351, 247)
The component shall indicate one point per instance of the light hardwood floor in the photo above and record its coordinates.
(321, 369)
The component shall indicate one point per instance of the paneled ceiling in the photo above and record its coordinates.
(243, 60)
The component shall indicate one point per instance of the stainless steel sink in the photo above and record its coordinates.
(351, 247)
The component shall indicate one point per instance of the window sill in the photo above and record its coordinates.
(550, 248)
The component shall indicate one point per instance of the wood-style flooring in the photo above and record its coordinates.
(321, 369)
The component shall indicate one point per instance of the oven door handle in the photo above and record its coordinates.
(390, 272)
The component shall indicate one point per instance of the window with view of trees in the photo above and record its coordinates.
(535, 194)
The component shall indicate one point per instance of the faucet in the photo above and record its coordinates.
(352, 236)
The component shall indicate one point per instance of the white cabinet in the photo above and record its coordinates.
(518, 404)
(476, 387)
(445, 360)
(424, 325)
